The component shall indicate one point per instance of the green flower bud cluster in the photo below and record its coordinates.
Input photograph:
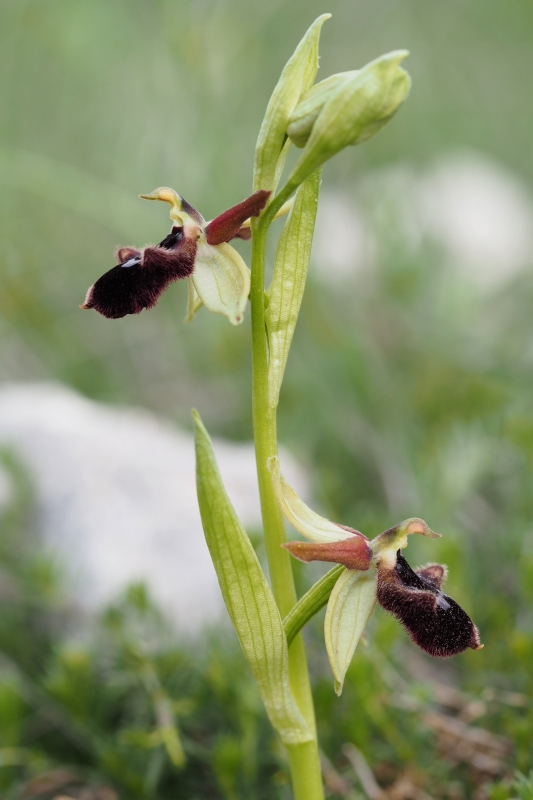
(346, 109)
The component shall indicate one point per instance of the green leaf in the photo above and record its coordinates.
(350, 606)
(288, 283)
(247, 595)
(297, 77)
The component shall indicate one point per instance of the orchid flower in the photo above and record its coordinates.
(195, 250)
(376, 572)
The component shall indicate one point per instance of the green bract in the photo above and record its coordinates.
(297, 77)
(288, 282)
(345, 111)
(247, 595)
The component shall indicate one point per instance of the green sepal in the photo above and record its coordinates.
(350, 606)
(288, 282)
(247, 595)
(297, 77)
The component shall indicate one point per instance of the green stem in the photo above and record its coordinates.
(311, 603)
(304, 759)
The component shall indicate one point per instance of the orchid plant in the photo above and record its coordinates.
(320, 119)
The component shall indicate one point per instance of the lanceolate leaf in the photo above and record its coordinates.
(297, 77)
(288, 283)
(247, 595)
(349, 608)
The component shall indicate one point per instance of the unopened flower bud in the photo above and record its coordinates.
(306, 112)
(342, 112)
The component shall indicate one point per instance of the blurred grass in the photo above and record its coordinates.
(407, 392)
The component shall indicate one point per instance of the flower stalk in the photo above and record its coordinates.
(304, 758)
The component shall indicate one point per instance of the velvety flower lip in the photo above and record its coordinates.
(140, 278)
(193, 249)
(435, 622)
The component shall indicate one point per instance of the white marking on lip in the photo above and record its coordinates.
(442, 602)
(131, 262)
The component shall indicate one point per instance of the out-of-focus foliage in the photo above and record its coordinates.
(102, 101)
(407, 392)
(120, 707)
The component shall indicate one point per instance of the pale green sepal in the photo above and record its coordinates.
(350, 606)
(288, 282)
(306, 112)
(297, 77)
(358, 109)
(193, 301)
(247, 595)
(222, 280)
(306, 522)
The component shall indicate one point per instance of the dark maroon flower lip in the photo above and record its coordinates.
(142, 276)
(435, 622)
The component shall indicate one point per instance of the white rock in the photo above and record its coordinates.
(116, 496)
(481, 213)
(477, 211)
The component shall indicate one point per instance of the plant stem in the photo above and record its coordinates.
(304, 759)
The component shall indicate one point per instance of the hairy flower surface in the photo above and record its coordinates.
(194, 249)
(375, 571)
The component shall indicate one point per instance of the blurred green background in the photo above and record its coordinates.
(408, 390)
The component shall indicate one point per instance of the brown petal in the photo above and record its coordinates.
(432, 619)
(130, 287)
(227, 225)
(353, 553)
(125, 253)
(434, 573)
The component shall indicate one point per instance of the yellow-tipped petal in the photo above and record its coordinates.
(350, 606)
(306, 522)
(168, 196)
(222, 280)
